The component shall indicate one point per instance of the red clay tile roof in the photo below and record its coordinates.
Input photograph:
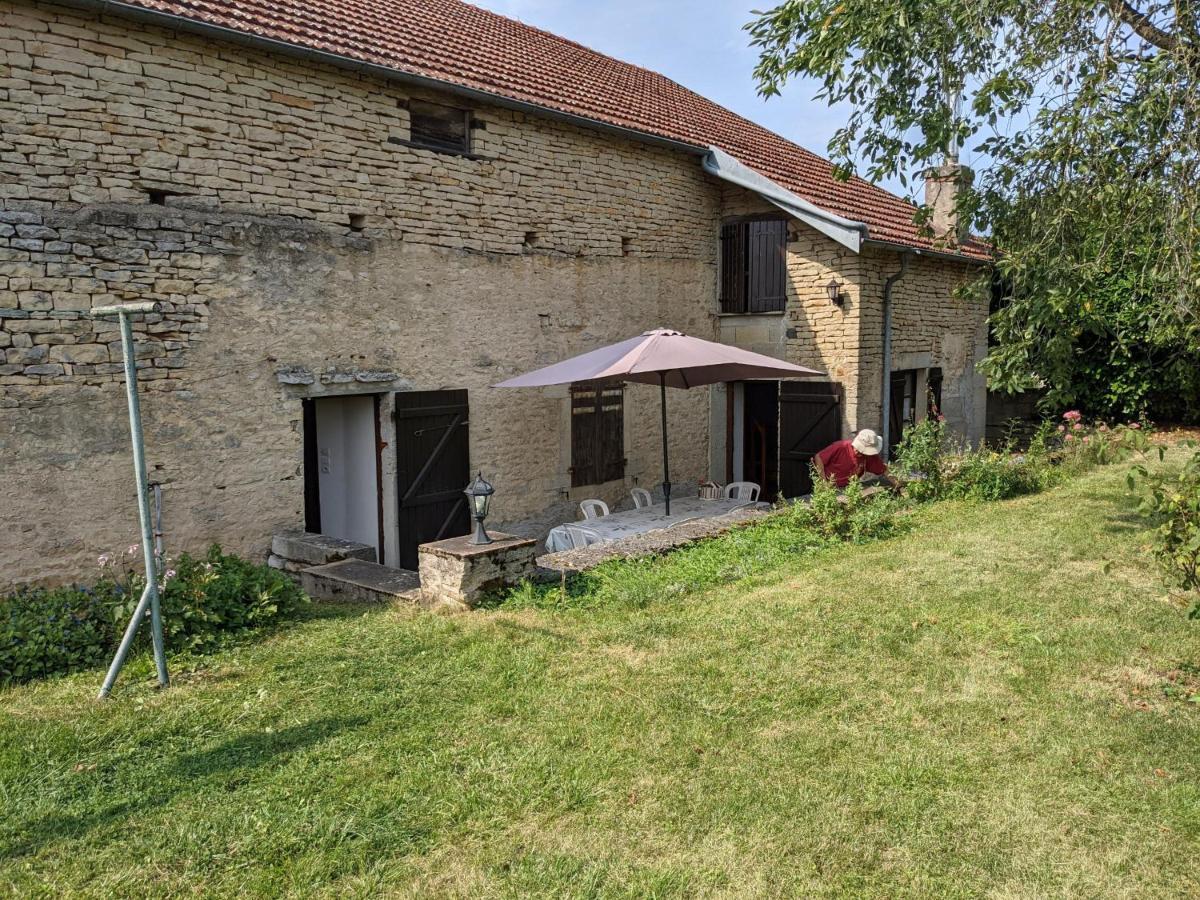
(463, 45)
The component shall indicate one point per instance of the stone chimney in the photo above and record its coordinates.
(942, 185)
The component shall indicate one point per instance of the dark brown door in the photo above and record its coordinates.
(432, 468)
(810, 419)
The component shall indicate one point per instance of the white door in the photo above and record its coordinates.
(347, 459)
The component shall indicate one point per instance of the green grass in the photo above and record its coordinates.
(982, 705)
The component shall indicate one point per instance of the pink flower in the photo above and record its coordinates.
(1070, 437)
(1072, 415)
(170, 573)
(1085, 438)
(1135, 425)
(1077, 427)
(1062, 428)
(941, 418)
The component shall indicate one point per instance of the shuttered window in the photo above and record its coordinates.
(445, 128)
(597, 434)
(754, 266)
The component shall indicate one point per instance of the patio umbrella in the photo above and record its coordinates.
(666, 358)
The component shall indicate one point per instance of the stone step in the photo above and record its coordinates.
(305, 547)
(358, 581)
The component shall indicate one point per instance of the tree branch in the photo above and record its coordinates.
(1143, 26)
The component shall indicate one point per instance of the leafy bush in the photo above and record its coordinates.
(853, 513)
(44, 631)
(923, 452)
(205, 599)
(58, 630)
(1174, 502)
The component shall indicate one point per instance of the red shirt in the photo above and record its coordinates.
(842, 463)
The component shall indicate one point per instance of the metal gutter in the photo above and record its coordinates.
(845, 231)
(273, 45)
(919, 251)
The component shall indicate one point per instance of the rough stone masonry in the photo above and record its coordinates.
(299, 248)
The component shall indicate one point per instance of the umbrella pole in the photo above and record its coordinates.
(662, 387)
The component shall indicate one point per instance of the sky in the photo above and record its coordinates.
(700, 44)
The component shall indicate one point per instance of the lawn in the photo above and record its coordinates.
(992, 703)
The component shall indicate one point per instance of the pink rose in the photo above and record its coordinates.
(1077, 427)
(1072, 415)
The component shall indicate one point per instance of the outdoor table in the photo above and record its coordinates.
(649, 518)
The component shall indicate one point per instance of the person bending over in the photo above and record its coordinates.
(855, 458)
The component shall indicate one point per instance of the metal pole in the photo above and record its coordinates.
(143, 492)
(135, 620)
(662, 387)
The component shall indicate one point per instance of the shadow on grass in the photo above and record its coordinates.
(232, 761)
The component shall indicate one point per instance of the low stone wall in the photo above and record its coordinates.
(569, 562)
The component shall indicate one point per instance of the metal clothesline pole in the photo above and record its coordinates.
(150, 594)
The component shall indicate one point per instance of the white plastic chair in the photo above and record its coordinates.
(593, 509)
(581, 537)
(641, 498)
(742, 490)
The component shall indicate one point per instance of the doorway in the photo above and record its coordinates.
(903, 406)
(342, 469)
(753, 436)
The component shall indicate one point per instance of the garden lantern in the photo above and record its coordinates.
(479, 495)
(834, 290)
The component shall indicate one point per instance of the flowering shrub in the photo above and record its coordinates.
(44, 631)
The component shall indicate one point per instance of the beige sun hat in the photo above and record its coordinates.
(867, 442)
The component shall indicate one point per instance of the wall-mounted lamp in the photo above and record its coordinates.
(834, 290)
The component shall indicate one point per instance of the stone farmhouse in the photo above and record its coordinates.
(357, 215)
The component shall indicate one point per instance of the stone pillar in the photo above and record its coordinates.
(456, 574)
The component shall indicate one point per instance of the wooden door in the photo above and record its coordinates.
(432, 469)
(810, 419)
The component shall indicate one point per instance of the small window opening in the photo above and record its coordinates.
(438, 127)
(159, 197)
(358, 221)
(626, 246)
(531, 239)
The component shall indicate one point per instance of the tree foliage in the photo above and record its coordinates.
(1089, 113)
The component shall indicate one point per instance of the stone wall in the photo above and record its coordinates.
(931, 325)
(549, 241)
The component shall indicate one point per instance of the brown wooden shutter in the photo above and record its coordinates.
(733, 268)
(767, 253)
(597, 434)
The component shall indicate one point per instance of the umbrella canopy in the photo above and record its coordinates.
(666, 358)
(662, 356)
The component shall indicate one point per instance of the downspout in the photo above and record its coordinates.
(887, 351)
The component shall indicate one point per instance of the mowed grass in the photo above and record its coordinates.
(987, 705)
